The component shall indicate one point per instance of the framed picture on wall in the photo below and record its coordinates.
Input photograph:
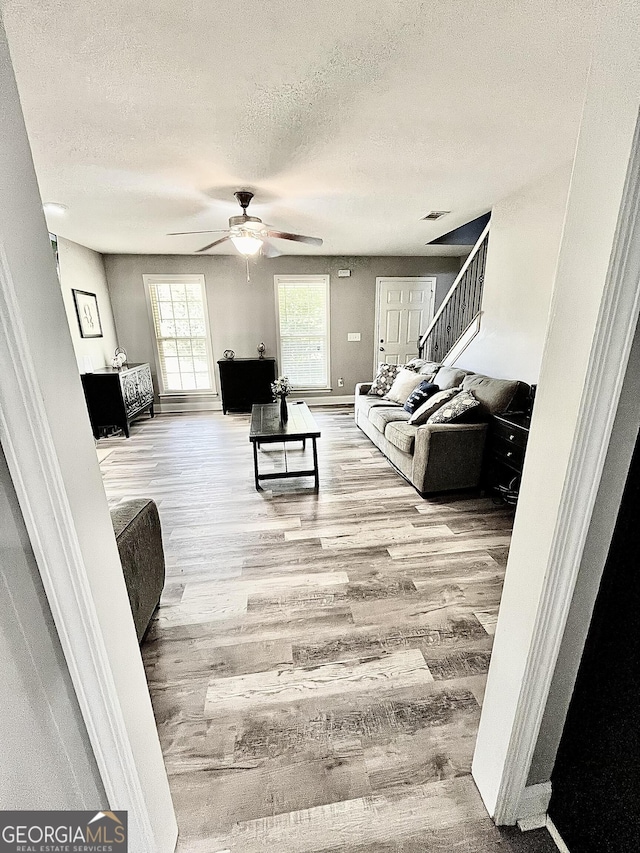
(88, 314)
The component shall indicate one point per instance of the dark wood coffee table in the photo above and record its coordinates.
(266, 428)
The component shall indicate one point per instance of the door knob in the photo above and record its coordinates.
(381, 349)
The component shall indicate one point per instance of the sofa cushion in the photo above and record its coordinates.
(463, 407)
(405, 382)
(429, 368)
(402, 435)
(366, 403)
(449, 377)
(384, 378)
(380, 416)
(495, 395)
(421, 394)
(424, 412)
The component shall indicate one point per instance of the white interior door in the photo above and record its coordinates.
(404, 309)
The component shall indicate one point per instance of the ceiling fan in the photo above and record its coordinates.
(249, 234)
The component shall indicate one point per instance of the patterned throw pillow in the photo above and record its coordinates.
(422, 393)
(404, 384)
(385, 377)
(424, 412)
(460, 408)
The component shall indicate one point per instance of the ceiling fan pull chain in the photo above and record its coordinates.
(248, 276)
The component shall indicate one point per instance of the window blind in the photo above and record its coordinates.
(303, 314)
(178, 310)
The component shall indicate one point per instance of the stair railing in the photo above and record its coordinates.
(459, 308)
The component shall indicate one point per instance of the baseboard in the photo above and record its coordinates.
(345, 400)
(175, 405)
(532, 810)
(557, 838)
(171, 405)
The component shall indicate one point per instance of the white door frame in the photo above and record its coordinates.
(32, 460)
(430, 279)
(602, 229)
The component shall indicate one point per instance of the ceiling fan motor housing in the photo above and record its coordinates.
(250, 223)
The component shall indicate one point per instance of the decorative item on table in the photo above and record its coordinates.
(229, 354)
(261, 350)
(119, 359)
(281, 389)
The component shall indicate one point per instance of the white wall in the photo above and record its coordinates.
(598, 180)
(521, 262)
(47, 760)
(83, 269)
(29, 277)
(242, 314)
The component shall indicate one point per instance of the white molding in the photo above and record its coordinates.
(532, 809)
(615, 328)
(432, 279)
(463, 341)
(33, 463)
(168, 406)
(453, 287)
(557, 838)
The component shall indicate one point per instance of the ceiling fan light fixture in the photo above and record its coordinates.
(246, 243)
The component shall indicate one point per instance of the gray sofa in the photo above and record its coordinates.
(136, 524)
(437, 457)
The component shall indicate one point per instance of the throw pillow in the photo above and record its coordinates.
(422, 393)
(405, 382)
(424, 412)
(449, 377)
(460, 408)
(384, 379)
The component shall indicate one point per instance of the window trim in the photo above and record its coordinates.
(180, 279)
(326, 280)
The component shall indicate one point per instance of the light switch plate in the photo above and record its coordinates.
(354, 336)
(344, 273)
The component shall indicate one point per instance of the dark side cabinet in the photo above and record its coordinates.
(245, 381)
(506, 447)
(116, 397)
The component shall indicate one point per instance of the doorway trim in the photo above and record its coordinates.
(431, 279)
(32, 460)
(614, 332)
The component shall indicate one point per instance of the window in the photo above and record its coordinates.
(303, 329)
(179, 313)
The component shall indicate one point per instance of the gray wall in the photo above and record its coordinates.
(47, 761)
(83, 269)
(623, 440)
(242, 314)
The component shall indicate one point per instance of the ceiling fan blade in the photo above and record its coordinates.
(298, 238)
(215, 243)
(269, 250)
(180, 233)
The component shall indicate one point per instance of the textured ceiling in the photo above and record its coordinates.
(349, 120)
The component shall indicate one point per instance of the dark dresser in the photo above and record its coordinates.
(116, 397)
(506, 447)
(245, 381)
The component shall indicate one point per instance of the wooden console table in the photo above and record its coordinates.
(116, 397)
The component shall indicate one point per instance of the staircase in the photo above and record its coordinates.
(457, 320)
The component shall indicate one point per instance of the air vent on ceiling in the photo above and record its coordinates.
(435, 214)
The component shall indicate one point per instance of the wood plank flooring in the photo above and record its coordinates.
(318, 660)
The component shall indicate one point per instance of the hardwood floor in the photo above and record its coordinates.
(318, 660)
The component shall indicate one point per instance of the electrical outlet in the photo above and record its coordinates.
(341, 382)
